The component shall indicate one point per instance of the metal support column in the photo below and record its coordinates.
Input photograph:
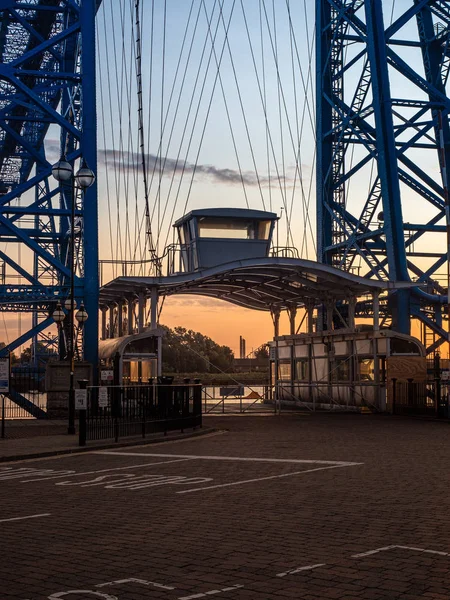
(351, 313)
(120, 319)
(141, 312)
(130, 316)
(111, 321)
(154, 307)
(104, 311)
(330, 311)
(275, 313)
(376, 311)
(292, 313)
(88, 9)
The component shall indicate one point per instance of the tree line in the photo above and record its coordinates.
(183, 351)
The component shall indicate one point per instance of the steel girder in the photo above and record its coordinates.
(383, 147)
(47, 84)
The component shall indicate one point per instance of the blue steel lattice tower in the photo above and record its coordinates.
(47, 90)
(383, 159)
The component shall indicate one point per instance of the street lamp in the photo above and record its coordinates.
(62, 171)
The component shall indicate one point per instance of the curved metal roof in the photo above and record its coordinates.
(228, 213)
(259, 283)
(107, 348)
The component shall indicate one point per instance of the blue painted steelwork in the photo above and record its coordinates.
(378, 154)
(47, 79)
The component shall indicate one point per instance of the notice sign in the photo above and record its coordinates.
(107, 375)
(4, 375)
(102, 397)
(80, 399)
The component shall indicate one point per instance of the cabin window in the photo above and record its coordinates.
(233, 229)
(263, 230)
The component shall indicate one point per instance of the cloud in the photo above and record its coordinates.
(130, 161)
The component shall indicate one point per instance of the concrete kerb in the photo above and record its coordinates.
(109, 445)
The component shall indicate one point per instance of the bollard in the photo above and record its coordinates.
(82, 415)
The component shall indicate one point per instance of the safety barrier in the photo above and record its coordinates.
(114, 412)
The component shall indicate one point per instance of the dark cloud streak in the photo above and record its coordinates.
(129, 161)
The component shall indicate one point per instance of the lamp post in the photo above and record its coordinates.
(62, 171)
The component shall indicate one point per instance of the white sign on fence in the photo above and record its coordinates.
(80, 399)
(4, 375)
(102, 397)
(107, 375)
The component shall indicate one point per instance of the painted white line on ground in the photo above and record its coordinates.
(12, 473)
(163, 462)
(27, 517)
(222, 485)
(57, 595)
(413, 548)
(211, 593)
(307, 568)
(134, 580)
(236, 458)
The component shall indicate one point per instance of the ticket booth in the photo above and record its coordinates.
(139, 356)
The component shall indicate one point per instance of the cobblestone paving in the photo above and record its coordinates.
(343, 507)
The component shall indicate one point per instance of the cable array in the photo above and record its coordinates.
(212, 106)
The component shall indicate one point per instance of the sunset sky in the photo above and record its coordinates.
(233, 126)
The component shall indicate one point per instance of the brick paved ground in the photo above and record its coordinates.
(371, 523)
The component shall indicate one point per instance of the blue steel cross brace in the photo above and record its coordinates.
(383, 150)
(47, 80)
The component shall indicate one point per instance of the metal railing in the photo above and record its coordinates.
(237, 398)
(114, 412)
(429, 398)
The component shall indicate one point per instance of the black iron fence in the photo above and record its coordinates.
(114, 412)
(26, 399)
(430, 398)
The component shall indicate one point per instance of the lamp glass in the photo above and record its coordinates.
(62, 170)
(59, 315)
(81, 315)
(84, 177)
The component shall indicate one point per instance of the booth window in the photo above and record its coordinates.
(284, 371)
(301, 369)
(233, 229)
(401, 346)
(340, 370)
(366, 369)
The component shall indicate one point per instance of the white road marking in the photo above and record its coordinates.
(211, 593)
(27, 517)
(222, 485)
(134, 580)
(413, 548)
(57, 595)
(307, 568)
(72, 474)
(236, 458)
(12, 473)
(135, 482)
